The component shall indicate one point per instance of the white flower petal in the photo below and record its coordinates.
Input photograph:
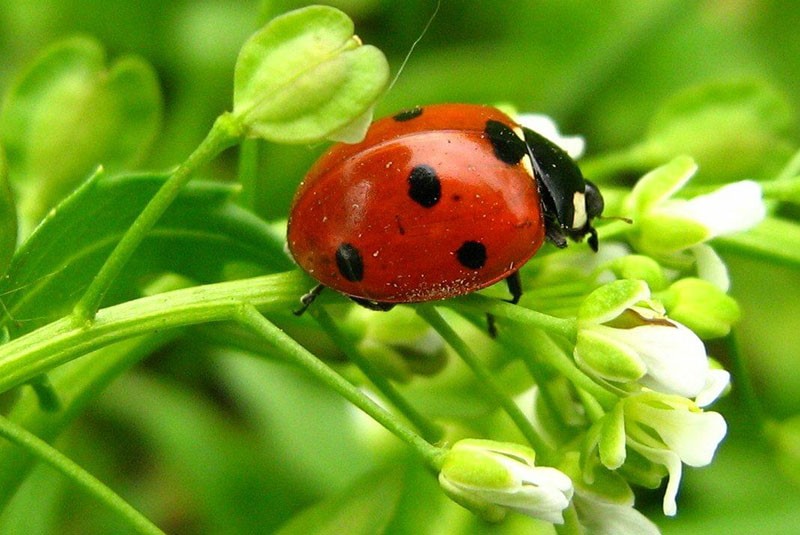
(732, 208)
(673, 464)
(675, 357)
(716, 382)
(545, 126)
(604, 518)
(692, 435)
(710, 266)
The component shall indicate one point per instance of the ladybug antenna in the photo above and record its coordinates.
(414, 44)
(627, 220)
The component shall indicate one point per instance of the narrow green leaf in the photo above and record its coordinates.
(364, 508)
(69, 113)
(775, 240)
(305, 77)
(201, 234)
(8, 217)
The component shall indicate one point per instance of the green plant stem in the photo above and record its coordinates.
(487, 380)
(430, 431)
(77, 475)
(61, 341)
(249, 316)
(790, 170)
(744, 386)
(562, 327)
(224, 133)
(571, 525)
(248, 172)
(553, 355)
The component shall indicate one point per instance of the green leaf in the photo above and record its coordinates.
(200, 235)
(610, 300)
(774, 240)
(69, 113)
(735, 130)
(660, 184)
(366, 507)
(8, 217)
(305, 76)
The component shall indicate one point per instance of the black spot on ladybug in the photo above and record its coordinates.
(471, 254)
(424, 187)
(507, 145)
(407, 115)
(349, 262)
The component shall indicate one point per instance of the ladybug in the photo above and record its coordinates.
(436, 202)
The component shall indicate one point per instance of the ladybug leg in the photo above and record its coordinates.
(491, 325)
(593, 239)
(555, 234)
(373, 305)
(514, 287)
(308, 298)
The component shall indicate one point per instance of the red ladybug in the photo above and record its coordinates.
(435, 202)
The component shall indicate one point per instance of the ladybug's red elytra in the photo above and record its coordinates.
(436, 202)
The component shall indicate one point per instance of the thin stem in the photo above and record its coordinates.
(559, 326)
(484, 375)
(790, 170)
(249, 317)
(77, 475)
(430, 431)
(553, 355)
(571, 525)
(225, 132)
(248, 173)
(59, 342)
(744, 385)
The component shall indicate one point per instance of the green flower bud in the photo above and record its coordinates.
(664, 227)
(306, 77)
(491, 477)
(623, 337)
(639, 267)
(701, 306)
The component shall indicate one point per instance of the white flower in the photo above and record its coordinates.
(665, 226)
(491, 477)
(624, 337)
(670, 430)
(602, 517)
(545, 126)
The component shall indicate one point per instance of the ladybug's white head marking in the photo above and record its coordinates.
(579, 204)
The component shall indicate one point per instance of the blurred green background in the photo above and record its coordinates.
(599, 68)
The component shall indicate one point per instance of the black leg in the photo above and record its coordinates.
(514, 287)
(308, 298)
(491, 326)
(593, 239)
(373, 305)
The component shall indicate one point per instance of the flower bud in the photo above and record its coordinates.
(306, 77)
(701, 306)
(664, 226)
(491, 477)
(623, 337)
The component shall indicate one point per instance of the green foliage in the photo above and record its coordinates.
(70, 109)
